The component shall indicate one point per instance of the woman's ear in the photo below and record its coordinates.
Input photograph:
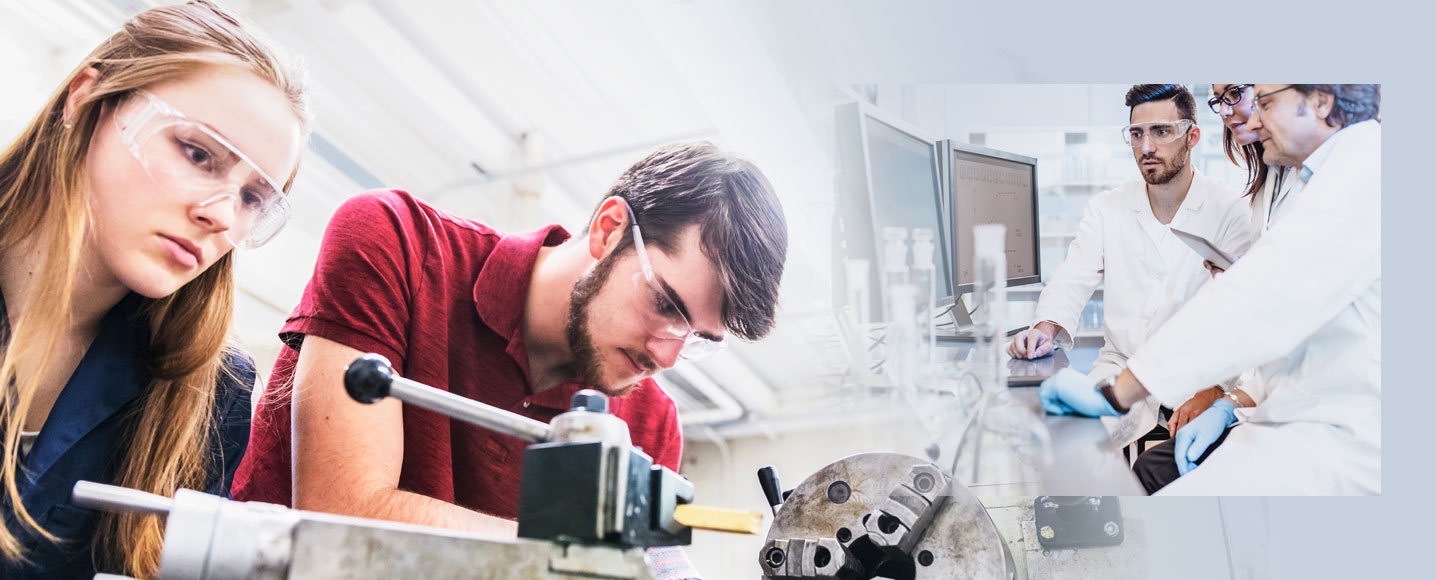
(78, 92)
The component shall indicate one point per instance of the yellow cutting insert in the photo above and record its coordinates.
(718, 519)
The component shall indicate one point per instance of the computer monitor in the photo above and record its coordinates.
(985, 186)
(889, 177)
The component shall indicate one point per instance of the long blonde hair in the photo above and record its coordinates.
(43, 204)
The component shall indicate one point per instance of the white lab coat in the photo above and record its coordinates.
(1261, 203)
(1304, 305)
(1147, 271)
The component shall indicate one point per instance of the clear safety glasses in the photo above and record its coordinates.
(1229, 97)
(1159, 132)
(196, 165)
(662, 318)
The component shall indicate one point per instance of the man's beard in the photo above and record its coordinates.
(1179, 162)
(584, 364)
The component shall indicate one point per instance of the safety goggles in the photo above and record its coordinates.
(662, 318)
(1229, 97)
(1158, 132)
(194, 164)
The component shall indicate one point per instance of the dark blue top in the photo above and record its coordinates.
(88, 431)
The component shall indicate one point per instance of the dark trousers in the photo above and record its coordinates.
(1157, 467)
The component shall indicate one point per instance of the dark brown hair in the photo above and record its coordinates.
(1186, 104)
(1250, 158)
(741, 224)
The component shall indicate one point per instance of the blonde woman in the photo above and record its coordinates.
(173, 143)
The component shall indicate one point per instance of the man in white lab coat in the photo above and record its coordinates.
(1125, 241)
(1303, 307)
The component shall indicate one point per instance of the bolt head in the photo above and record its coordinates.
(775, 557)
(589, 400)
(1111, 529)
(1047, 532)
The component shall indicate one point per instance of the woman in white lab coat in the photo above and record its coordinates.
(1234, 105)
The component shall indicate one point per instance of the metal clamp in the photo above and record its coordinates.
(899, 522)
(808, 559)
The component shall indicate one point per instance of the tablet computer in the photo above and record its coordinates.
(1031, 373)
(1204, 248)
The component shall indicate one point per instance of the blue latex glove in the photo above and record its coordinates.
(1197, 435)
(1072, 393)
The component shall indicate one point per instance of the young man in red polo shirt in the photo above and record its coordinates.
(517, 321)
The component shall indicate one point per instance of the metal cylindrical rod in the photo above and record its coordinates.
(113, 498)
(370, 378)
(468, 410)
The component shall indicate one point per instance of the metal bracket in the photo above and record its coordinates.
(1078, 521)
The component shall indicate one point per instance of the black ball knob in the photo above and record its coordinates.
(367, 379)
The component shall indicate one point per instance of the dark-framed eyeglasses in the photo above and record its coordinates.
(1229, 97)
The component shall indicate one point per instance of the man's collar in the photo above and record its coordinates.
(1141, 202)
(1313, 162)
(501, 288)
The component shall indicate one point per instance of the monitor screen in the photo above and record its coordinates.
(991, 187)
(905, 190)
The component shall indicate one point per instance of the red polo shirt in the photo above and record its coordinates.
(442, 298)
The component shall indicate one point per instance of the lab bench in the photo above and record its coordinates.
(1004, 453)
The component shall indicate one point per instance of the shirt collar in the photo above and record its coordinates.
(1313, 162)
(112, 373)
(1196, 195)
(502, 287)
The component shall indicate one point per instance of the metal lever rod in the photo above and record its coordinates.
(111, 498)
(370, 378)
